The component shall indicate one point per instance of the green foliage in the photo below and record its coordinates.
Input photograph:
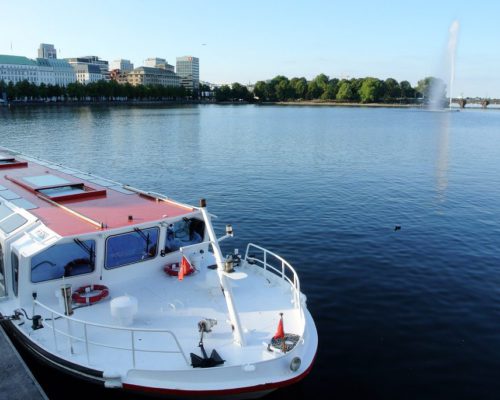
(365, 90)
(370, 90)
(235, 92)
(345, 92)
(95, 91)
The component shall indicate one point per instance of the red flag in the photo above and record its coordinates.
(185, 268)
(280, 333)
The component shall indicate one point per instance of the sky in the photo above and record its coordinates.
(248, 41)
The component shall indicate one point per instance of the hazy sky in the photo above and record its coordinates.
(246, 41)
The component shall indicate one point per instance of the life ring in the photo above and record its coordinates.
(173, 269)
(79, 295)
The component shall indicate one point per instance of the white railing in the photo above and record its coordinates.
(293, 279)
(132, 332)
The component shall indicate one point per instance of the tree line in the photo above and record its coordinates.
(100, 90)
(363, 90)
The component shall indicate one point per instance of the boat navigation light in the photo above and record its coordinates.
(295, 364)
(203, 203)
(229, 229)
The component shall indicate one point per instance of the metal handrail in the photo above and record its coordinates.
(86, 324)
(295, 284)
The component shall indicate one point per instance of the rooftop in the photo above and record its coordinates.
(19, 60)
(71, 203)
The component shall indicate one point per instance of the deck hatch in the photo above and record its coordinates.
(45, 180)
(11, 162)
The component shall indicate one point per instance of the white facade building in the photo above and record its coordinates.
(17, 69)
(122, 65)
(42, 70)
(64, 74)
(45, 72)
(87, 73)
(103, 65)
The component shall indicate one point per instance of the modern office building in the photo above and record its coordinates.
(47, 51)
(17, 69)
(103, 65)
(153, 76)
(87, 73)
(188, 69)
(122, 65)
(158, 63)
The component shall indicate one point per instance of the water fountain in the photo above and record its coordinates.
(447, 73)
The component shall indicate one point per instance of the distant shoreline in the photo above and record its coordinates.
(337, 104)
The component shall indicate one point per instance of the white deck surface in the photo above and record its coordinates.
(166, 303)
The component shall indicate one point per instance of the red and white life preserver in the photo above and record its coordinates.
(81, 295)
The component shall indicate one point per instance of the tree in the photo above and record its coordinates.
(345, 92)
(299, 88)
(370, 90)
(260, 90)
(223, 93)
(330, 93)
(283, 90)
(314, 90)
(392, 89)
(406, 90)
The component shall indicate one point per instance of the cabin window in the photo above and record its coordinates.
(15, 271)
(3, 292)
(64, 260)
(131, 247)
(185, 232)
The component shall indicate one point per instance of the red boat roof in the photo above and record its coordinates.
(73, 203)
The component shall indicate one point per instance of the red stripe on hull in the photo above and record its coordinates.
(266, 387)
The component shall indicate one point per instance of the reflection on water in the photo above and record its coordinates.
(442, 155)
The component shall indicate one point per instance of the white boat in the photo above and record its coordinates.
(129, 289)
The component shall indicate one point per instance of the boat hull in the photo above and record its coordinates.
(96, 377)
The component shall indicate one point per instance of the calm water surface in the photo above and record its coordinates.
(413, 313)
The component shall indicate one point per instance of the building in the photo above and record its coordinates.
(64, 74)
(188, 69)
(45, 72)
(47, 51)
(122, 65)
(153, 76)
(158, 63)
(103, 65)
(17, 69)
(118, 76)
(87, 73)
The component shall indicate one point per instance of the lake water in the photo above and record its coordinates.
(409, 313)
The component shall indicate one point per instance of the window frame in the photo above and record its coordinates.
(65, 277)
(127, 233)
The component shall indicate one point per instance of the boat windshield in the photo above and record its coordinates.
(131, 247)
(63, 260)
(185, 232)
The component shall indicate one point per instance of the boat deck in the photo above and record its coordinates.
(165, 303)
